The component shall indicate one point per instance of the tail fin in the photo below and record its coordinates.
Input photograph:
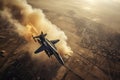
(43, 34)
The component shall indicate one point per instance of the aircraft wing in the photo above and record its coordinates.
(54, 41)
(40, 49)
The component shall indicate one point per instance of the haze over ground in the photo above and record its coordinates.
(102, 11)
(92, 29)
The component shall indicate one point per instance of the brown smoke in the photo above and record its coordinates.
(30, 21)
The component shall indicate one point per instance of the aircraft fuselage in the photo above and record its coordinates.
(48, 47)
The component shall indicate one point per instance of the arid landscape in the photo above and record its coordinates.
(92, 28)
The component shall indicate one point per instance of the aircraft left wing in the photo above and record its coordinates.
(40, 49)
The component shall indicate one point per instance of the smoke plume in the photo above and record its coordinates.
(30, 21)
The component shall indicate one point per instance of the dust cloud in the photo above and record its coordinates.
(30, 21)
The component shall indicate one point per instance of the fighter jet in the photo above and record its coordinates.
(48, 46)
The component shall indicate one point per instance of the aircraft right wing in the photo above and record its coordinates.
(54, 41)
(40, 49)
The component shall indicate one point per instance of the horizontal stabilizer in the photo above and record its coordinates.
(40, 49)
(54, 41)
(44, 35)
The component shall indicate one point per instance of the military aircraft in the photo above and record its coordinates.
(48, 46)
